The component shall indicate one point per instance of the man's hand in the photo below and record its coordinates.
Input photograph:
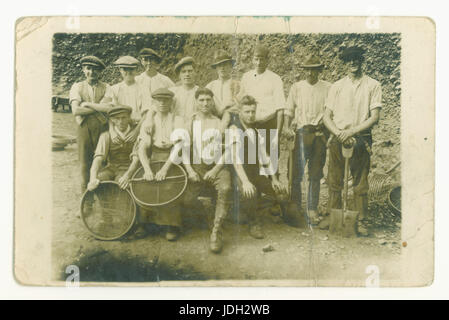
(93, 184)
(194, 176)
(289, 133)
(278, 186)
(210, 175)
(148, 175)
(123, 182)
(249, 190)
(161, 174)
(344, 135)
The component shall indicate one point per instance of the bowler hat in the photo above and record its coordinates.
(182, 62)
(221, 56)
(162, 93)
(92, 61)
(127, 62)
(117, 109)
(148, 52)
(312, 62)
(351, 53)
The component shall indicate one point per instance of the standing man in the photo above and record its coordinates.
(211, 171)
(352, 109)
(128, 92)
(268, 90)
(305, 105)
(85, 97)
(151, 80)
(184, 100)
(250, 180)
(225, 89)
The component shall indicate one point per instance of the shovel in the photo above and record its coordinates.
(343, 222)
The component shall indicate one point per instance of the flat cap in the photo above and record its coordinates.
(261, 50)
(148, 52)
(127, 61)
(117, 109)
(92, 61)
(162, 93)
(352, 53)
(221, 56)
(312, 62)
(183, 62)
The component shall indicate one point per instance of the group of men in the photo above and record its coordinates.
(130, 124)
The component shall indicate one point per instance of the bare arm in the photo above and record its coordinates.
(100, 107)
(329, 123)
(124, 180)
(142, 152)
(78, 110)
(368, 123)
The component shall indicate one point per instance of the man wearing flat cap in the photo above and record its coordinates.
(184, 101)
(268, 90)
(352, 109)
(85, 98)
(151, 80)
(305, 106)
(128, 92)
(115, 149)
(154, 143)
(225, 89)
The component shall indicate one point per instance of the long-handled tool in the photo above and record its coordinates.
(343, 221)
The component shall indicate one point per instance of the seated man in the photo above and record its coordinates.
(209, 171)
(251, 178)
(115, 148)
(155, 144)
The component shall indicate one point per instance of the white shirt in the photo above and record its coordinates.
(184, 104)
(351, 102)
(224, 93)
(268, 90)
(131, 96)
(305, 102)
(151, 84)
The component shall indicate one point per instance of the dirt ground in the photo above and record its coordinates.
(310, 255)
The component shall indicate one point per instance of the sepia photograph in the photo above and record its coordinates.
(195, 157)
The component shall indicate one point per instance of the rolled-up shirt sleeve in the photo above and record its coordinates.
(376, 97)
(279, 94)
(75, 95)
(101, 151)
(290, 105)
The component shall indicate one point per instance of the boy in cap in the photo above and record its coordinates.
(151, 80)
(210, 172)
(128, 92)
(225, 89)
(85, 98)
(115, 149)
(268, 90)
(155, 140)
(352, 109)
(251, 178)
(184, 100)
(305, 105)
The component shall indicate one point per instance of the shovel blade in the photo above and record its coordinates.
(343, 223)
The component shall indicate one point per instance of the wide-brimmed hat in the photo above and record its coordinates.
(182, 62)
(127, 62)
(351, 53)
(148, 52)
(117, 109)
(312, 62)
(221, 56)
(162, 93)
(92, 61)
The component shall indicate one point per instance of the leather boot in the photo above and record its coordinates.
(361, 205)
(255, 227)
(334, 201)
(216, 237)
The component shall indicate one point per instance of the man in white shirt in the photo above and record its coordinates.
(128, 92)
(305, 106)
(184, 100)
(225, 89)
(90, 115)
(352, 109)
(268, 90)
(151, 80)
